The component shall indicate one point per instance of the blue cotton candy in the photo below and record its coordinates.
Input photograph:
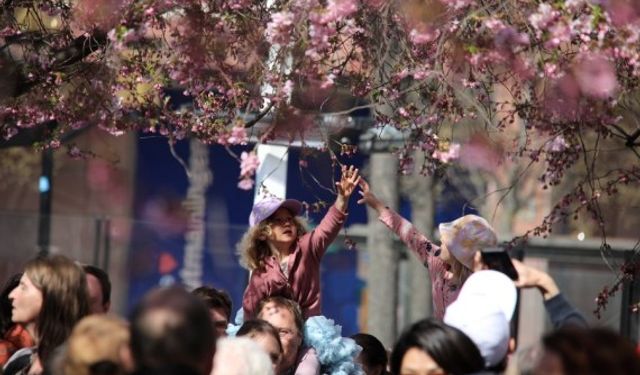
(232, 329)
(336, 353)
(239, 319)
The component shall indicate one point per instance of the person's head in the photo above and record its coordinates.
(219, 304)
(483, 311)
(265, 335)
(97, 345)
(430, 347)
(373, 357)
(273, 223)
(461, 239)
(285, 315)
(595, 351)
(241, 356)
(5, 303)
(99, 287)
(51, 297)
(171, 327)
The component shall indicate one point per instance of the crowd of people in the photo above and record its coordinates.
(55, 315)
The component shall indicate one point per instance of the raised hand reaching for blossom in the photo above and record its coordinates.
(347, 184)
(368, 197)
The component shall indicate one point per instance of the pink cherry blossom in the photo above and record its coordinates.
(558, 144)
(451, 153)
(339, 9)
(526, 72)
(248, 163)
(246, 183)
(480, 153)
(595, 75)
(279, 29)
(545, 15)
(457, 4)
(238, 136)
(423, 37)
(102, 14)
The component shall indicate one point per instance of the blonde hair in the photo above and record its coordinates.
(254, 248)
(460, 272)
(240, 356)
(96, 340)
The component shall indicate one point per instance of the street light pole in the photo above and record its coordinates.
(45, 185)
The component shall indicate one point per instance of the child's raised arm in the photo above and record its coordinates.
(347, 184)
(409, 234)
(369, 198)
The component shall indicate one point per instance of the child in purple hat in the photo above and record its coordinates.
(283, 258)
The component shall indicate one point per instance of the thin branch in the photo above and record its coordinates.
(178, 158)
(259, 116)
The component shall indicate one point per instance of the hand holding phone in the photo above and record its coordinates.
(498, 259)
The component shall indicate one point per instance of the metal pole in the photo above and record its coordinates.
(46, 193)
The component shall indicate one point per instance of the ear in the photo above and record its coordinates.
(512, 345)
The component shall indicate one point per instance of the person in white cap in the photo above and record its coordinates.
(449, 264)
(483, 311)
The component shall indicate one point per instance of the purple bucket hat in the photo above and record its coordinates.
(266, 207)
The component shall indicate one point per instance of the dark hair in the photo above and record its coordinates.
(449, 347)
(65, 299)
(5, 303)
(103, 279)
(171, 327)
(214, 299)
(105, 367)
(373, 354)
(251, 327)
(593, 351)
(288, 304)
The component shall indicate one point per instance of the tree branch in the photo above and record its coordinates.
(259, 116)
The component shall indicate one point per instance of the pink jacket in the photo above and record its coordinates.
(302, 284)
(443, 290)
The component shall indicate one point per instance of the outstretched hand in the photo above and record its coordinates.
(347, 184)
(528, 277)
(348, 181)
(368, 197)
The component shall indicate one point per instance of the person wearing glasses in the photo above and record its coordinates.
(286, 317)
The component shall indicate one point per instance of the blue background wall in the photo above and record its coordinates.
(158, 243)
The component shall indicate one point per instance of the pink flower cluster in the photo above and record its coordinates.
(338, 10)
(596, 75)
(452, 152)
(249, 163)
(280, 27)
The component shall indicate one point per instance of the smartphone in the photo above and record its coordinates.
(499, 260)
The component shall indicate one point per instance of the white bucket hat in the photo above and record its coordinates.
(466, 235)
